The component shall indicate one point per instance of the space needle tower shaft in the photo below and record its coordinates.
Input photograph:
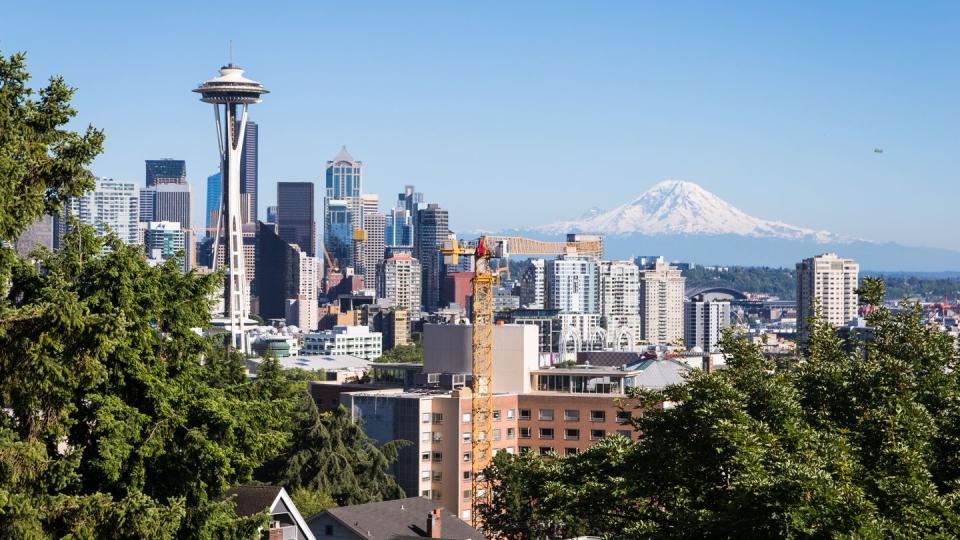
(232, 93)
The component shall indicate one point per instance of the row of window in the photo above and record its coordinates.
(570, 434)
(573, 415)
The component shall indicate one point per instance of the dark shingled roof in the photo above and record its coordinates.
(399, 520)
(252, 500)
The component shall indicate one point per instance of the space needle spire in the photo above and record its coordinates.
(235, 93)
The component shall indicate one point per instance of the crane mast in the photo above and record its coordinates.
(488, 247)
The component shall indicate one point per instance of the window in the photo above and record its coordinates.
(524, 449)
(466, 456)
(570, 451)
(466, 418)
(571, 434)
(496, 414)
(437, 417)
(509, 450)
(524, 414)
(465, 515)
(546, 414)
(437, 457)
(437, 436)
(466, 436)
(437, 476)
(328, 530)
(598, 416)
(467, 494)
(525, 433)
(544, 450)
(425, 456)
(425, 417)
(496, 434)
(425, 436)
(466, 475)
(571, 415)
(597, 434)
(509, 414)
(425, 493)
(623, 417)
(511, 433)
(624, 433)
(436, 495)
(424, 475)
(546, 433)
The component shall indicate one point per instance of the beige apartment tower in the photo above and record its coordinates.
(829, 283)
(661, 303)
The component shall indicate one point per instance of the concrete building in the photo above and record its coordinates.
(392, 323)
(828, 283)
(112, 206)
(303, 310)
(399, 281)
(295, 219)
(370, 250)
(549, 327)
(432, 228)
(661, 303)
(533, 285)
(40, 233)
(457, 288)
(357, 341)
(703, 322)
(573, 284)
(620, 303)
(504, 300)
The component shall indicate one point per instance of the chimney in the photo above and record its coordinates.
(433, 523)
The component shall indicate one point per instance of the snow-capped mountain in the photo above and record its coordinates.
(676, 207)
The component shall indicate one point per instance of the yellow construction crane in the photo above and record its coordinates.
(495, 247)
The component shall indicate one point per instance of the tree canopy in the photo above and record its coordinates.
(859, 437)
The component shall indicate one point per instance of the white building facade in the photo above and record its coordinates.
(572, 284)
(533, 285)
(356, 341)
(112, 206)
(620, 303)
(704, 322)
(399, 281)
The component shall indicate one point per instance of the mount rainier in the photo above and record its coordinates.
(682, 221)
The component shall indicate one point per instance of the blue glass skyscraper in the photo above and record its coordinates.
(213, 201)
(398, 232)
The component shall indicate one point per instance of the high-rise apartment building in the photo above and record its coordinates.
(703, 323)
(214, 195)
(661, 303)
(295, 217)
(250, 172)
(620, 303)
(112, 206)
(431, 229)
(368, 244)
(573, 284)
(533, 285)
(399, 281)
(828, 283)
(166, 171)
(303, 310)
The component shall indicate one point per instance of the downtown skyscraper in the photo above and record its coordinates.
(250, 172)
(295, 215)
(432, 228)
(342, 207)
(165, 171)
(111, 207)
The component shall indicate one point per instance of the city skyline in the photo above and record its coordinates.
(528, 111)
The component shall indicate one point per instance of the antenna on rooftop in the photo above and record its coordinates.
(231, 52)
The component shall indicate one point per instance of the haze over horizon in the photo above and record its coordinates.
(549, 108)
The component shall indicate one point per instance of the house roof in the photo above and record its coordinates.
(252, 500)
(658, 374)
(399, 519)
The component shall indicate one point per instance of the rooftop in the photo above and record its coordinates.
(401, 518)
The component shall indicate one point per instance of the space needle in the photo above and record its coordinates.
(235, 92)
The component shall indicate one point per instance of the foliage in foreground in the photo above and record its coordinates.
(856, 438)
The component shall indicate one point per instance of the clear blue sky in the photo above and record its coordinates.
(520, 113)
